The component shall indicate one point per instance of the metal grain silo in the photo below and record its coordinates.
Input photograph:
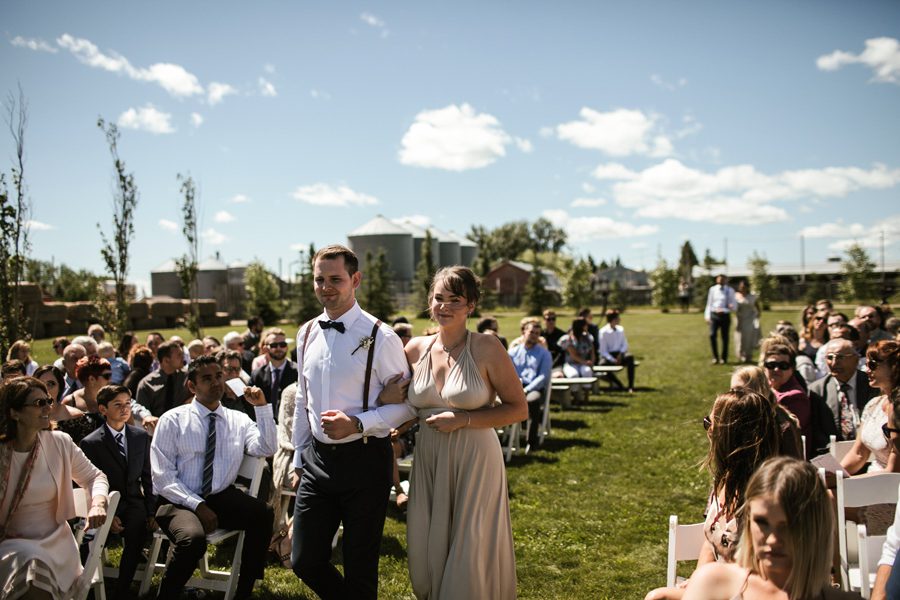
(212, 280)
(418, 235)
(468, 250)
(164, 280)
(449, 248)
(396, 242)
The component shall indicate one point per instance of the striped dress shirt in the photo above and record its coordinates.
(178, 449)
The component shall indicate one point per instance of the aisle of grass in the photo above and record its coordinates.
(590, 510)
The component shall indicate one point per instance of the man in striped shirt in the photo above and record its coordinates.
(195, 456)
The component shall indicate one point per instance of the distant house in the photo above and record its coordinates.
(634, 285)
(509, 280)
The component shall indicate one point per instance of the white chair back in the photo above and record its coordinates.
(839, 449)
(685, 543)
(93, 573)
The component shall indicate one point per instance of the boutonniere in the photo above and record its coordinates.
(365, 343)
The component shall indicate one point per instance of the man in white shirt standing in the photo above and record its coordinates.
(720, 303)
(614, 347)
(343, 456)
(195, 456)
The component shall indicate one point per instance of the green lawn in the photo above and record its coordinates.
(590, 510)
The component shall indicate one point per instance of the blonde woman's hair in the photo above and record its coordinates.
(754, 379)
(796, 486)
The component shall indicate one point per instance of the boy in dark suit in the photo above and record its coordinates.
(122, 452)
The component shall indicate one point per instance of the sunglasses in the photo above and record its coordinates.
(887, 431)
(707, 422)
(777, 364)
(819, 319)
(872, 364)
(278, 345)
(549, 318)
(41, 403)
(106, 376)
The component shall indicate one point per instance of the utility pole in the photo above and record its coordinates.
(725, 255)
(802, 259)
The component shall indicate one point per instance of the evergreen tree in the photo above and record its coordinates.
(425, 271)
(263, 295)
(858, 271)
(687, 262)
(578, 290)
(665, 285)
(765, 286)
(375, 289)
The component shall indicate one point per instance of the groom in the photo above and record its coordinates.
(343, 457)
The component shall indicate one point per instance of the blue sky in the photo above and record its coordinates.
(633, 125)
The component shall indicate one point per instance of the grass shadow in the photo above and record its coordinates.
(568, 424)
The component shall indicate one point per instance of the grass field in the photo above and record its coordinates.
(590, 510)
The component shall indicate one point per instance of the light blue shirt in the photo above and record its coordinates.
(533, 365)
(720, 300)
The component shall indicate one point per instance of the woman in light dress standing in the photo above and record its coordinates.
(746, 332)
(458, 526)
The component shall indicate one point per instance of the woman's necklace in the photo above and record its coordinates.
(449, 349)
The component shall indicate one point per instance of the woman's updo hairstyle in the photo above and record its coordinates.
(462, 281)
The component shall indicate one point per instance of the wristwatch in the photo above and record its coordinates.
(359, 425)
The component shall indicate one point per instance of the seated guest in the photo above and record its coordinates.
(195, 349)
(129, 341)
(164, 388)
(837, 328)
(787, 537)
(490, 326)
(211, 345)
(553, 334)
(67, 419)
(614, 347)
(97, 332)
(21, 350)
(122, 452)
(892, 326)
(523, 323)
(154, 340)
(93, 373)
(883, 366)
(140, 361)
(754, 379)
(838, 399)
(533, 365)
(778, 361)
(887, 578)
(59, 344)
(230, 361)
(252, 336)
(38, 554)
(263, 358)
(235, 341)
(119, 366)
(804, 367)
(815, 335)
(279, 373)
(586, 314)
(743, 433)
(12, 369)
(873, 316)
(197, 488)
(404, 331)
(579, 347)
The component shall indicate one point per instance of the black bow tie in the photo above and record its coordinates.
(332, 325)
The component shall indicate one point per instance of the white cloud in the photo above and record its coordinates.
(196, 119)
(38, 226)
(524, 145)
(266, 88)
(420, 220)
(371, 20)
(146, 118)
(218, 91)
(319, 94)
(323, 194)
(588, 202)
(668, 85)
(168, 225)
(587, 188)
(620, 132)
(240, 199)
(826, 230)
(882, 55)
(36, 44)
(871, 237)
(582, 229)
(173, 78)
(223, 216)
(269, 68)
(638, 245)
(299, 247)
(546, 132)
(737, 194)
(454, 138)
(213, 237)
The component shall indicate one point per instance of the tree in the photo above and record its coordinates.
(306, 305)
(764, 285)
(116, 252)
(665, 285)
(186, 266)
(263, 295)
(687, 262)
(546, 237)
(63, 283)
(858, 270)
(710, 262)
(425, 271)
(618, 296)
(14, 216)
(375, 289)
(511, 240)
(535, 291)
(578, 290)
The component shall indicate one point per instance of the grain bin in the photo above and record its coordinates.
(418, 234)
(164, 280)
(396, 242)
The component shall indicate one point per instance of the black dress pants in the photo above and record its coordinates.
(235, 510)
(719, 323)
(628, 363)
(342, 483)
(134, 520)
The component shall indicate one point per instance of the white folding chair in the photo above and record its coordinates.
(869, 553)
(221, 581)
(855, 492)
(685, 543)
(92, 576)
(839, 449)
(544, 431)
(513, 440)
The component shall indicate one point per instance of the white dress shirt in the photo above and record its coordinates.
(720, 299)
(612, 339)
(891, 542)
(334, 375)
(115, 433)
(178, 449)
